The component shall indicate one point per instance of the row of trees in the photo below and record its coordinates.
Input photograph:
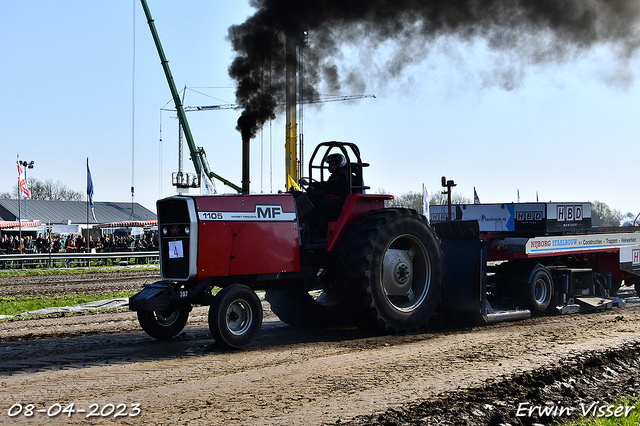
(601, 213)
(413, 200)
(47, 190)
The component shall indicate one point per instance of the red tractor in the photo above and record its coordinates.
(379, 268)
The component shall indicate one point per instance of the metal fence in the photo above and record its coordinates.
(67, 260)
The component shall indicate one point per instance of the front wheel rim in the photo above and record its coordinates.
(239, 317)
(167, 319)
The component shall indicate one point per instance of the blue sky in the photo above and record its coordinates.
(568, 131)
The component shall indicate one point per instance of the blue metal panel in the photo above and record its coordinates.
(465, 264)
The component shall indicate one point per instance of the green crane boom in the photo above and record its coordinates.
(197, 154)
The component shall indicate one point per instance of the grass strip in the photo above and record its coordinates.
(18, 305)
(71, 271)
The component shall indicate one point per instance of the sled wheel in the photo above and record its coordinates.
(538, 290)
(165, 324)
(296, 307)
(616, 283)
(635, 282)
(390, 271)
(235, 316)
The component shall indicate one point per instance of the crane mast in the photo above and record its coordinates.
(198, 157)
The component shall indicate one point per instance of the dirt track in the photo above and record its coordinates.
(287, 376)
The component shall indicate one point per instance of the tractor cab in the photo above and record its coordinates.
(325, 192)
(319, 171)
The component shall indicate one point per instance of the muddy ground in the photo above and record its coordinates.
(534, 371)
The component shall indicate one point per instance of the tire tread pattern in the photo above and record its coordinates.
(359, 256)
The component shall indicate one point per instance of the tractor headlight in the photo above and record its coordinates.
(164, 231)
(186, 230)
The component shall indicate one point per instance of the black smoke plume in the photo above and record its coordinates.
(530, 31)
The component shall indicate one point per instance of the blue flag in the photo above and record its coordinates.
(90, 191)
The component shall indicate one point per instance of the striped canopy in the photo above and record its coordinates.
(16, 224)
(129, 224)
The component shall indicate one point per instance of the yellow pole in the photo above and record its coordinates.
(291, 138)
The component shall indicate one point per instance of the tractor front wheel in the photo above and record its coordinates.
(165, 324)
(235, 316)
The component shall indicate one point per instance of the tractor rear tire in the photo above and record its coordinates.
(165, 324)
(390, 271)
(296, 307)
(235, 316)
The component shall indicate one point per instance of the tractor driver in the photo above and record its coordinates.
(328, 197)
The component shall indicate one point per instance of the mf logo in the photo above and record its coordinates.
(569, 213)
(261, 213)
(268, 212)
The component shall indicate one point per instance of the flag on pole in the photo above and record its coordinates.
(292, 183)
(425, 201)
(22, 183)
(206, 186)
(476, 199)
(518, 194)
(537, 197)
(90, 191)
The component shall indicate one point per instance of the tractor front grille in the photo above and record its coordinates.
(177, 227)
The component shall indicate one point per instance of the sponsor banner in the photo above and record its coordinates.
(520, 217)
(494, 217)
(567, 243)
(262, 213)
(568, 216)
(630, 259)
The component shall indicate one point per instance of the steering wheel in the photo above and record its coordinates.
(307, 181)
(308, 186)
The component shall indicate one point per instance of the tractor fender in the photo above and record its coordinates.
(355, 205)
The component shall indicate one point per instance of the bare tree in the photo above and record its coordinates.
(440, 199)
(413, 199)
(410, 200)
(47, 190)
(603, 215)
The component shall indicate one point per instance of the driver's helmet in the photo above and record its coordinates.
(335, 161)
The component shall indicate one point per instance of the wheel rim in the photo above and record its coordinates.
(239, 317)
(541, 291)
(406, 273)
(167, 318)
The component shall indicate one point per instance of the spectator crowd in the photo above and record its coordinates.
(76, 243)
